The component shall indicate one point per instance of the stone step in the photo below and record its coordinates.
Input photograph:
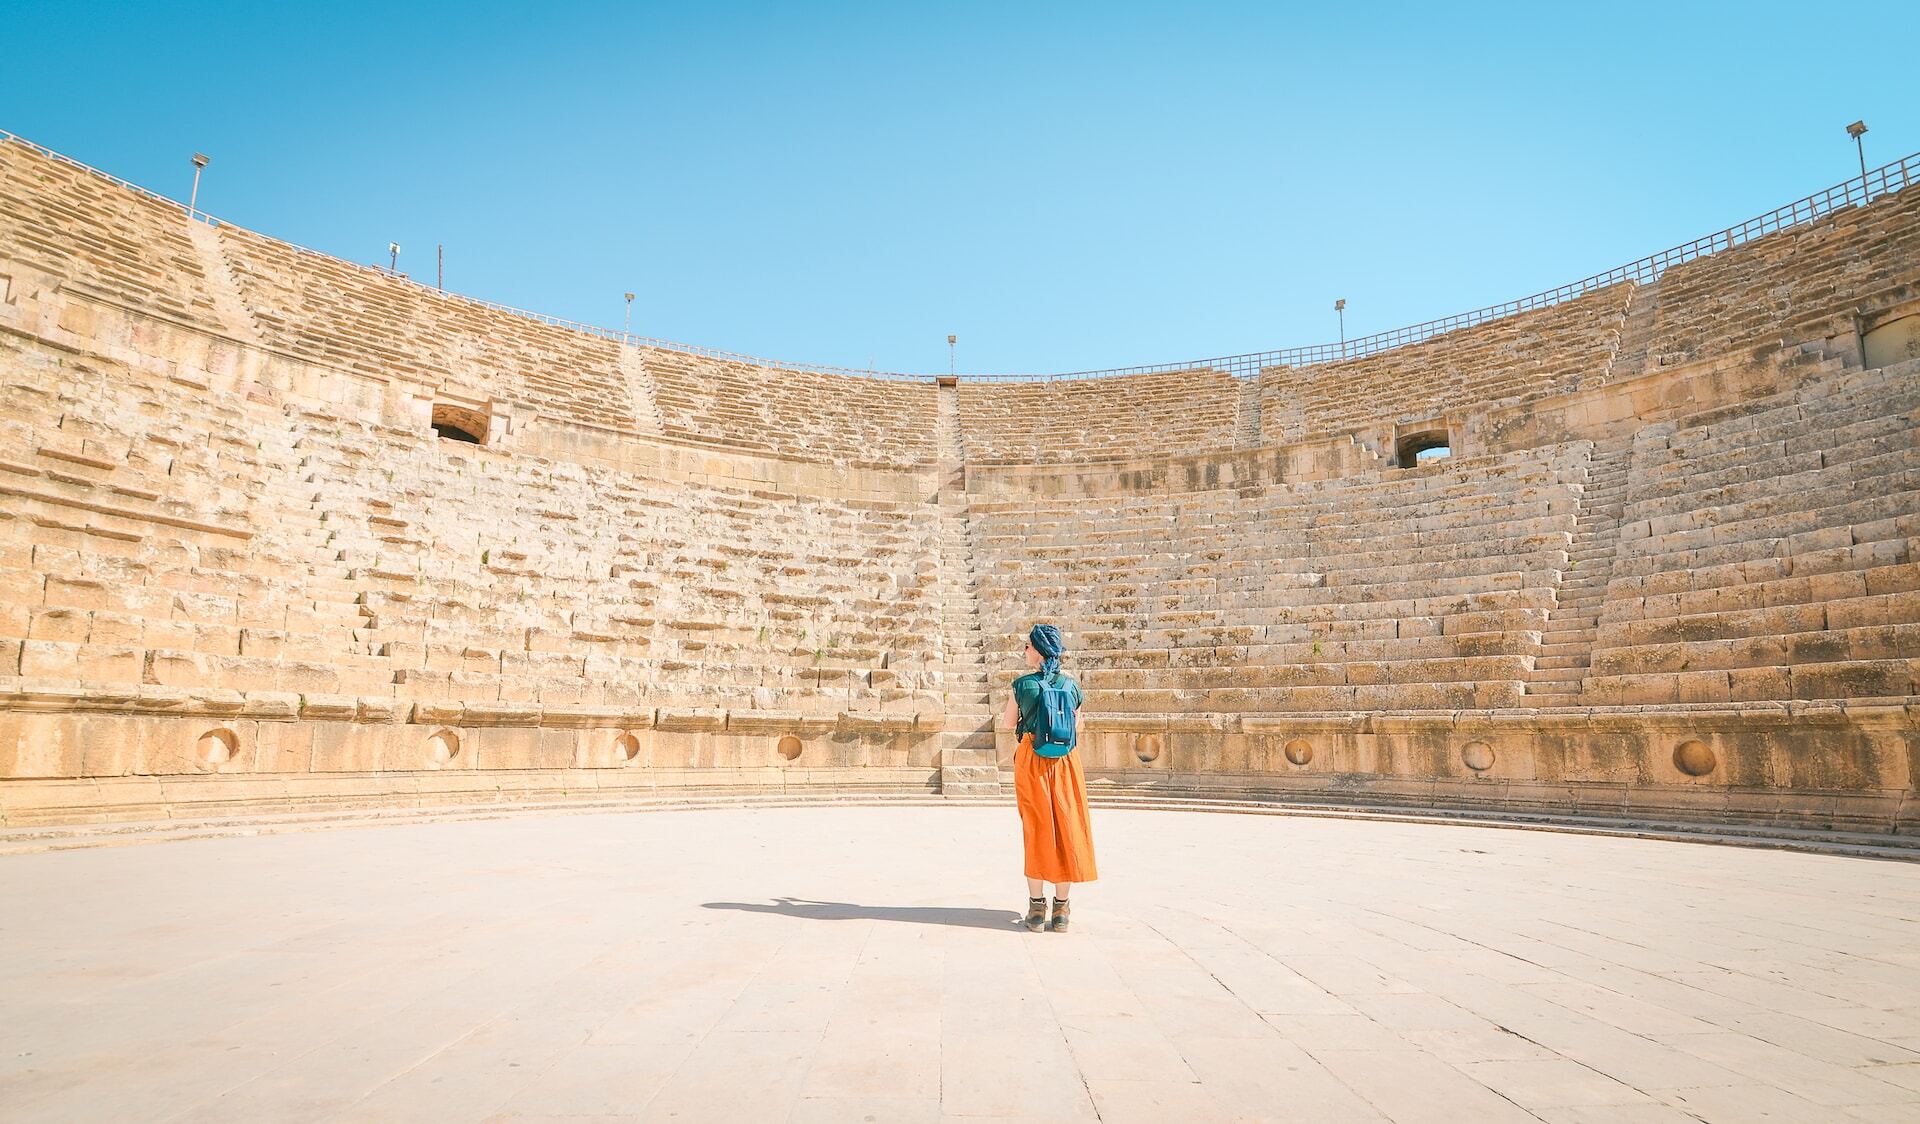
(1559, 674)
(1550, 663)
(981, 740)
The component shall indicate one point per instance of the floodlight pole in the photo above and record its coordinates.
(200, 160)
(1856, 130)
(626, 327)
(1340, 310)
(951, 368)
(393, 251)
(440, 266)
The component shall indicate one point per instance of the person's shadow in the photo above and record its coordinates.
(847, 911)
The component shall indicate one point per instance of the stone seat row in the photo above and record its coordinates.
(1823, 520)
(1789, 284)
(1078, 597)
(1788, 605)
(803, 414)
(1287, 523)
(1315, 643)
(1271, 662)
(1322, 572)
(1680, 500)
(730, 575)
(1849, 679)
(1816, 642)
(1486, 694)
(1794, 577)
(1408, 589)
(1833, 436)
(362, 319)
(1273, 608)
(1835, 405)
(1075, 420)
(1306, 630)
(352, 638)
(1872, 565)
(76, 225)
(1282, 526)
(1532, 353)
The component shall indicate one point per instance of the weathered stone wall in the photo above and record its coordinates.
(1842, 765)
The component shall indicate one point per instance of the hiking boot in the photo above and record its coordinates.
(1059, 923)
(1036, 914)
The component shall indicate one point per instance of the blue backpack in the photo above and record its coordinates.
(1051, 722)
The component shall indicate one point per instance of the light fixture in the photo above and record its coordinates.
(1856, 130)
(200, 160)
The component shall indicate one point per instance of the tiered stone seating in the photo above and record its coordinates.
(127, 514)
(484, 577)
(804, 414)
(1546, 351)
(1795, 286)
(362, 320)
(318, 554)
(1409, 589)
(1771, 551)
(100, 237)
(1072, 420)
(193, 564)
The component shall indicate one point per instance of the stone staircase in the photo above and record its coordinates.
(1566, 649)
(639, 382)
(1629, 356)
(968, 763)
(1247, 424)
(235, 316)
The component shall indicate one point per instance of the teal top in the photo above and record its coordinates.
(1026, 695)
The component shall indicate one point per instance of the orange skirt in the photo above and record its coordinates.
(1052, 795)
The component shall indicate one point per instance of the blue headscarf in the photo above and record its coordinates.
(1046, 640)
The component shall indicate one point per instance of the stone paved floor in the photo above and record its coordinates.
(831, 964)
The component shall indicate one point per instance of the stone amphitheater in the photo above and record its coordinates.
(292, 543)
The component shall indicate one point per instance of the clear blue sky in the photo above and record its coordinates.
(1064, 185)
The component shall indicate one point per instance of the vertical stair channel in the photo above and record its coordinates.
(1566, 650)
(640, 390)
(1629, 356)
(235, 316)
(968, 763)
(1247, 429)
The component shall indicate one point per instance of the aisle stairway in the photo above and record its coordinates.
(1629, 356)
(967, 757)
(1247, 425)
(1567, 642)
(639, 380)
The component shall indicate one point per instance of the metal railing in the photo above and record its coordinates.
(1880, 181)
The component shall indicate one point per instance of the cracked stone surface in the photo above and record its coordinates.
(864, 964)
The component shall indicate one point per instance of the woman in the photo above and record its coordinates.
(1050, 789)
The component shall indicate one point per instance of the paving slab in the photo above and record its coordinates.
(866, 963)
